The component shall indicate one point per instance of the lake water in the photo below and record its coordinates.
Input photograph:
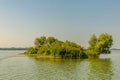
(14, 67)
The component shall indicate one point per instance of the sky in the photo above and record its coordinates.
(21, 21)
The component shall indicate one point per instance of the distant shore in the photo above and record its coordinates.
(115, 49)
(13, 48)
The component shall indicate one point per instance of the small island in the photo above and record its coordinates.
(53, 48)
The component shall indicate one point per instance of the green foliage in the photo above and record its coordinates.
(92, 42)
(51, 40)
(99, 46)
(40, 41)
(53, 47)
(104, 43)
(91, 52)
(31, 50)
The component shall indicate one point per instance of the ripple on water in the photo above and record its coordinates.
(24, 68)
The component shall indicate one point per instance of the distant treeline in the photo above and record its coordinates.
(115, 49)
(13, 48)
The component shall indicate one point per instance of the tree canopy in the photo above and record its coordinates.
(53, 47)
(104, 43)
(92, 42)
(100, 45)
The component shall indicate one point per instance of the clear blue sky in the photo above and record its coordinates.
(21, 21)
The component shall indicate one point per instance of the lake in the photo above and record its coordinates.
(14, 67)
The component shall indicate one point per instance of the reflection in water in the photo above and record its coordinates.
(100, 69)
(27, 68)
(51, 69)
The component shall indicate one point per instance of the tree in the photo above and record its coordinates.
(51, 40)
(31, 50)
(53, 47)
(92, 42)
(104, 43)
(99, 46)
(90, 52)
(40, 41)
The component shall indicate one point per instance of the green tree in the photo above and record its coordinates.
(51, 40)
(99, 46)
(40, 41)
(104, 43)
(52, 46)
(92, 42)
(31, 50)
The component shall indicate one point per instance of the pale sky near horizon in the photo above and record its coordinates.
(21, 21)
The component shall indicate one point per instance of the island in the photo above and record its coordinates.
(50, 47)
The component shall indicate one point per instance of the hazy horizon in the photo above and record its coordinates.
(75, 20)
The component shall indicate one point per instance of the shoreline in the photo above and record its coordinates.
(42, 56)
(53, 57)
(50, 57)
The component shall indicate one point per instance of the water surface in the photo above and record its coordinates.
(25, 68)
